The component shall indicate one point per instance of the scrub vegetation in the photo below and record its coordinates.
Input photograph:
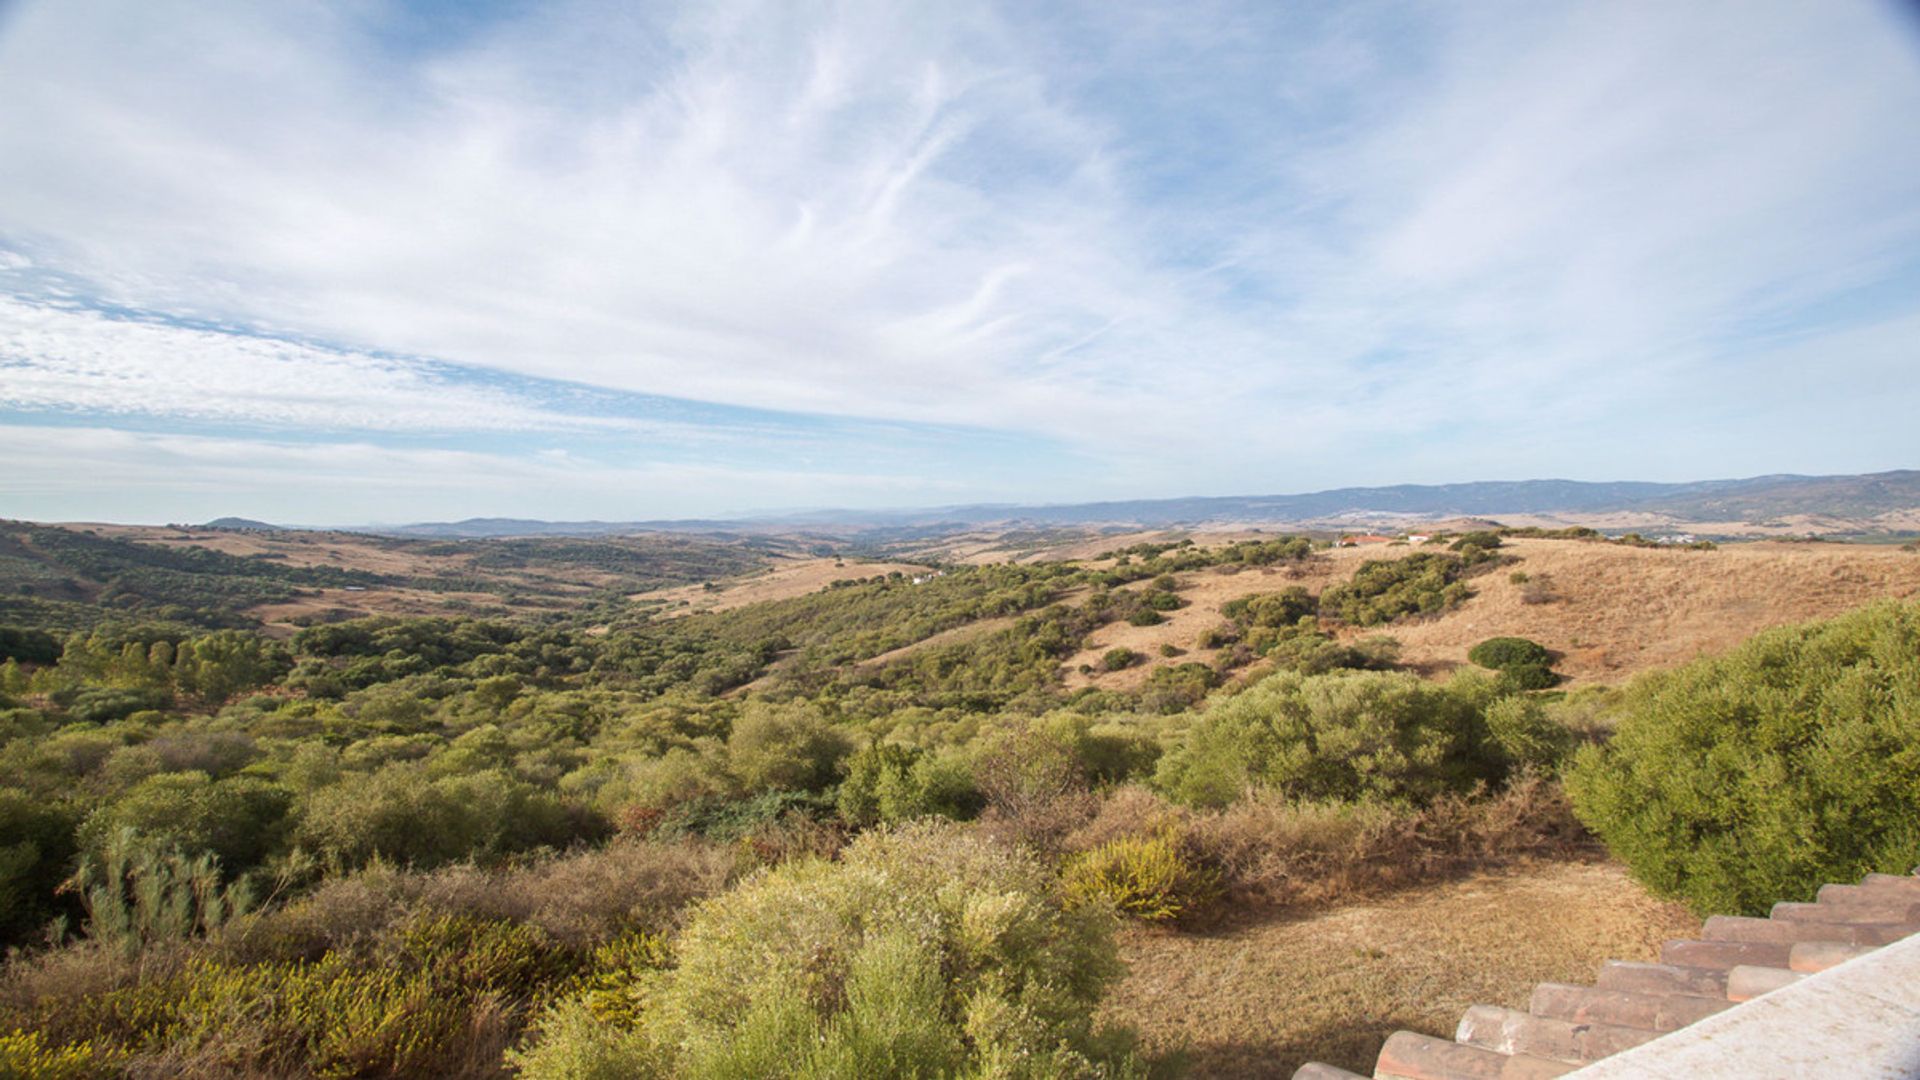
(869, 829)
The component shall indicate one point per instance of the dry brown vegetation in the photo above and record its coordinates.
(784, 580)
(1258, 997)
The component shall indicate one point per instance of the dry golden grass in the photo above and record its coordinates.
(1623, 610)
(1619, 610)
(1260, 997)
(786, 579)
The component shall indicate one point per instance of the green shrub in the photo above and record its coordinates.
(1759, 775)
(925, 951)
(1382, 591)
(239, 820)
(785, 746)
(36, 845)
(440, 997)
(1500, 653)
(1283, 608)
(887, 783)
(1146, 877)
(1117, 658)
(1522, 664)
(1173, 687)
(398, 814)
(1527, 734)
(1529, 677)
(1146, 616)
(137, 896)
(1348, 735)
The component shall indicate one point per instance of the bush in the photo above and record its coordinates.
(1382, 591)
(1147, 877)
(239, 820)
(1522, 664)
(1757, 776)
(26, 1055)
(1349, 735)
(1146, 616)
(1526, 733)
(785, 746)
(886, 783)
(36, 845)
(398, 814)
(1280, 609)
(439, 997)
(1117, 658)
(925, 951)
(1500, 653)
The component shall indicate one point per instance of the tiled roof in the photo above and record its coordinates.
(1566, 1027)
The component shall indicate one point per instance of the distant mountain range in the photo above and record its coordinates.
(1756, 499)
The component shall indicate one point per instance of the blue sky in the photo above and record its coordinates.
(364, 261)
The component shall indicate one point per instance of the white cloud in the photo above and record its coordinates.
(67, 358)
(1493, 232)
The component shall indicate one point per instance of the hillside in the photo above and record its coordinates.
(74, 577)
(1615, 610)
(614, 762)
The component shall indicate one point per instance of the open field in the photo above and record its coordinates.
(787, 577)
(1258, 998)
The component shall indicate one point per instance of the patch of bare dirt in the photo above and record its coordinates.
(1260, 998)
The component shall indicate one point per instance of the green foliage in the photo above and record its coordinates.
(36, 846)
(138, 895)
(922, 952)
(28, 645)
(1759, 775)
(437, 998)
(1382, 591)
(1118, 657)
(402, 815)
(891, 784)
(237, 820)
(785, 746)
(1173, 687)
(1475, 545)
(1349, 735)
(1500, 653)
(1281, 609)
(1523, 664)
(1527, 733)
(1147, 877)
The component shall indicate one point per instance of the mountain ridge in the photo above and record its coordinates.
(1854, 496)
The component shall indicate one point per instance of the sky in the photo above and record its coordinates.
(367, 262)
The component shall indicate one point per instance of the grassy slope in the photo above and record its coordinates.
(1621, 610)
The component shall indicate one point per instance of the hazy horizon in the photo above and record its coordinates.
(391, 262)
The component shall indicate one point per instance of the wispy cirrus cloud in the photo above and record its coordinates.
(1237, 247)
